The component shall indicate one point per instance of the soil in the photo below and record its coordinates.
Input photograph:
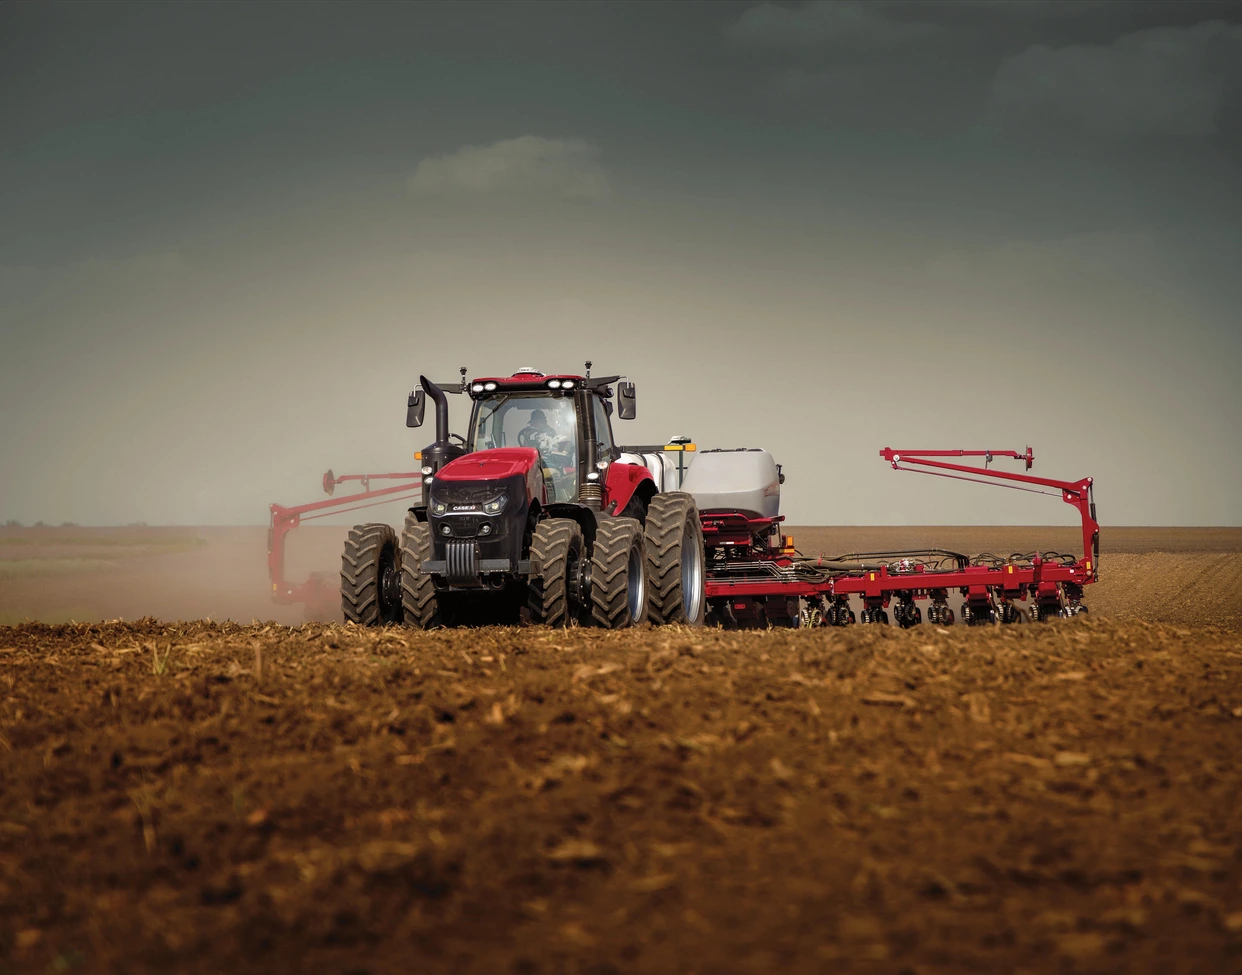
(214, 797)
(207, 797)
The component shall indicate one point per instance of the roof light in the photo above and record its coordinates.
(476, 388)
(567, 384)
(490, 387)
(554, 384)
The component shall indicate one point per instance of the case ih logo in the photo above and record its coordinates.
(465, 507)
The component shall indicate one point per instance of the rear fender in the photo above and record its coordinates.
(623, 482)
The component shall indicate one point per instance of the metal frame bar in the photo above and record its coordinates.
(285, 519)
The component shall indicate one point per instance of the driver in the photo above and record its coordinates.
(538, 433)
(554, 441)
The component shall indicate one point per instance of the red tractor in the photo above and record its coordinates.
(537, 512)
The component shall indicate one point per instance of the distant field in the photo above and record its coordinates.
(1175, 575)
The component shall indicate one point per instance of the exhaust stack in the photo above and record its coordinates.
(441, 401)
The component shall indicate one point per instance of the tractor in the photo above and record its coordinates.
(536, 514)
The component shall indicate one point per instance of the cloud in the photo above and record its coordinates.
(1172, 82)
(825, 23)
(874, 24)
(561, 167)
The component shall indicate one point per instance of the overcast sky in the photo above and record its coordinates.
(232, 236)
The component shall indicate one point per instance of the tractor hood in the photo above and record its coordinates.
(490, 465)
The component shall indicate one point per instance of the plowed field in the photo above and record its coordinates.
(212, 798)
(200, 797)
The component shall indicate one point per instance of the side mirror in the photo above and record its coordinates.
(627, 409)
(414, 409)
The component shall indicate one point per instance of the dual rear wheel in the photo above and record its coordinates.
(608, 588)
(633, 573)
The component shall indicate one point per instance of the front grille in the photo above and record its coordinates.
(461, 562)
(464, 526)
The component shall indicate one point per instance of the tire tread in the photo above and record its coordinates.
(419, 600)
(361, 571)
(548, 594)
(667, 516)
(610, 561)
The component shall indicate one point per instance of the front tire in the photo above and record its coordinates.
(555, 590)
(618, 574)
(421, 605)
(676, 581)
(371, 576)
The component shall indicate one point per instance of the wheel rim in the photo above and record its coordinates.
(691, 573)
(577, 583)
(636, 583)
(389, 587)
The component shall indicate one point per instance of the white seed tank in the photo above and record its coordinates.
(744, 480)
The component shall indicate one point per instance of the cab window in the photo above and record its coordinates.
(603, 429)
(545, 421)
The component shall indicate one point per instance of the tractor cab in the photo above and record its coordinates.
(565, 418)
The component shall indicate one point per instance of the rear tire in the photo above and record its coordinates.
(554, 593)
(421, 605)
(371, 576)
(676, 586)
(618, 574)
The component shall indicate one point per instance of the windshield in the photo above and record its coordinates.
(545, 421)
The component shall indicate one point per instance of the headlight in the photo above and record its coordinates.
(439, 507)
(496, 505)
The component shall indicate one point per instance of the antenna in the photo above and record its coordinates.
(588, 368)
(462, 370)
